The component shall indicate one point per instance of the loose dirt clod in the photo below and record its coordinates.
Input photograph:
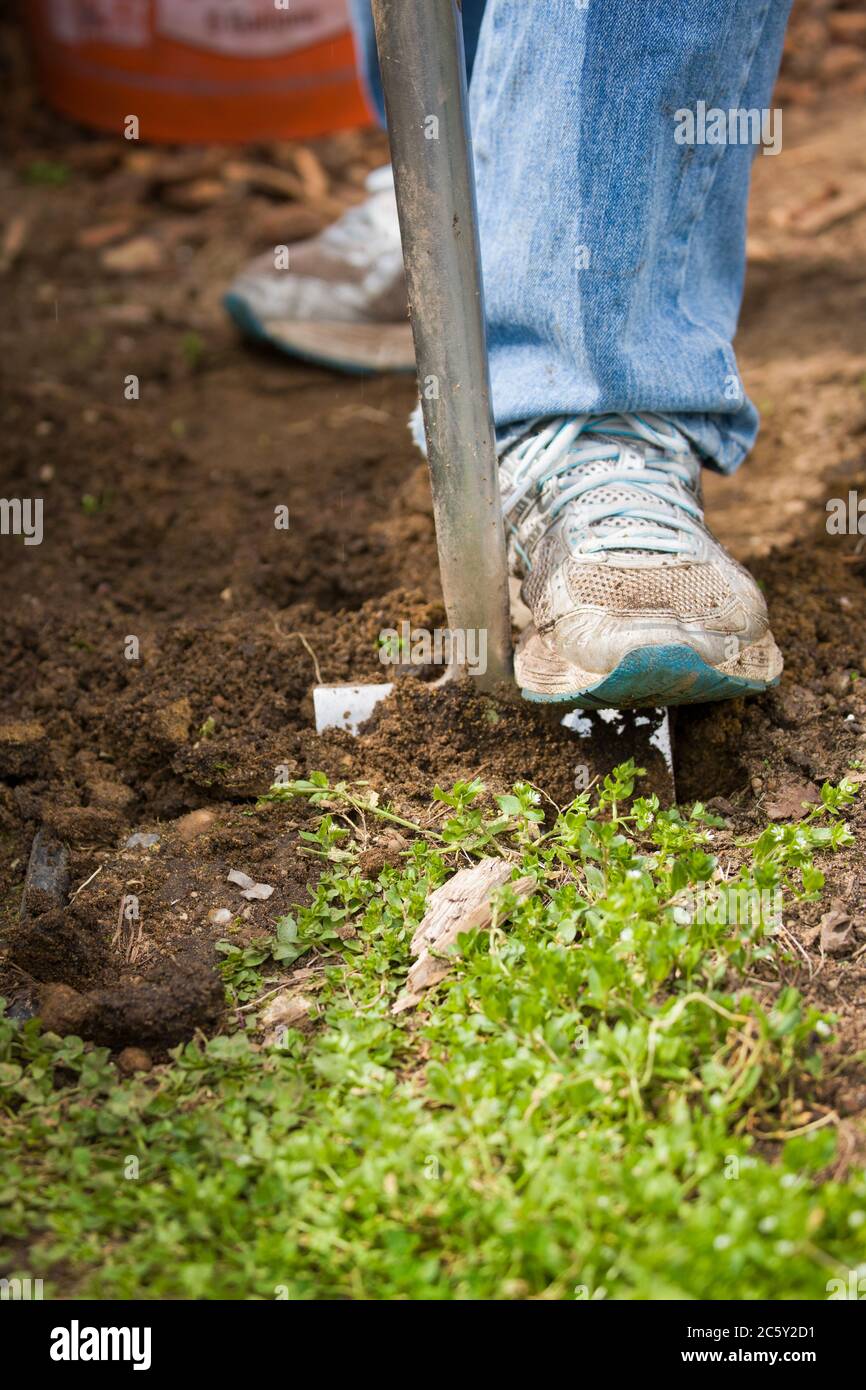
(56, 946)
(177, 997)
(22, 747)
(133, 1059)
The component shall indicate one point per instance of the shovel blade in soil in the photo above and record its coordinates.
(346, 706)
(617, 735)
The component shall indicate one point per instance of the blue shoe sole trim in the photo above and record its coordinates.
(669, 675)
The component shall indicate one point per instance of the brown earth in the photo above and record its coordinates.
(159, 527)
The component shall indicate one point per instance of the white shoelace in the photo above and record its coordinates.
(666, 478)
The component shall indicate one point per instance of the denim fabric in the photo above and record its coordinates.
(365, 47)
(614, 256)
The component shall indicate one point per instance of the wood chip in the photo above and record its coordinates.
(286, 1009)
(14, 238)
(133, 257)
(311, 172)
(264, 177)
(815, 218)
(462, 904)
(195, 195)
(102, 234)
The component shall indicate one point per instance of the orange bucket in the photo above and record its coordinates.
(200, 70)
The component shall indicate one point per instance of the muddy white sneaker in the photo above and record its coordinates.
(633, 601)
(342, 300)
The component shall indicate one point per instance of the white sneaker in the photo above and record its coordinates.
(633, 600)
(342, 300)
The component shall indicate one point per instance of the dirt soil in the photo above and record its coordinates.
(160, 646)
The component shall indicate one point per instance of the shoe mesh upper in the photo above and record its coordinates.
(684, 590)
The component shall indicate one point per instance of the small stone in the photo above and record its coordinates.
(851, 1100)
(142, 840)
(835, 931)
(286, 1010)
(220, 916)
(255, 892)
(194, 823)
(133, 1059)
(62, 1010)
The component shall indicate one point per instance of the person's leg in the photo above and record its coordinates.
(361, 15)
(339, 298)
(614, 255)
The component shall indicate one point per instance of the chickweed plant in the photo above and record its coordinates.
(606, 1098)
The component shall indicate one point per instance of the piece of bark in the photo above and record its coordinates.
(46, 883)
(263, 177)
(311, 172)
(102, 234)
(462, 904)
(288, 1010)
(138, 256)
(195, 195)
(838, 208)
(280, 183)
(14, 238)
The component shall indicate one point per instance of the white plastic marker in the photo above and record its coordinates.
(346, 706)
(423, 69)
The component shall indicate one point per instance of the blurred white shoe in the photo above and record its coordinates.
(342, 300)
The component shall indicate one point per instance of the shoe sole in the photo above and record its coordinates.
(359, 349)
(673, 674)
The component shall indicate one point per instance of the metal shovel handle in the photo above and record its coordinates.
(423, 70)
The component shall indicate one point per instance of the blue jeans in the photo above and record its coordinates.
(614, 254)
